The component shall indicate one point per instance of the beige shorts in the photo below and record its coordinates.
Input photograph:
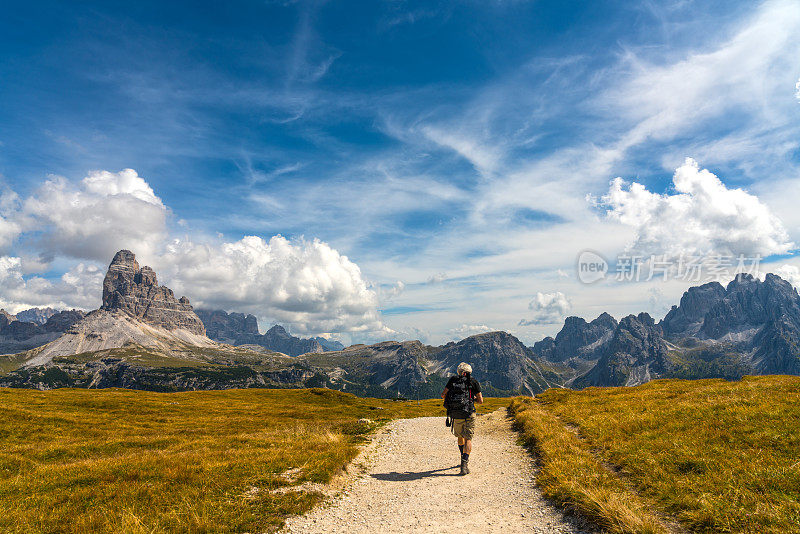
(464, 428)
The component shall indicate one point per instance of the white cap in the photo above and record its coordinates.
(464, 367)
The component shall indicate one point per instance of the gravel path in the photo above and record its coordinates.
(406, 480)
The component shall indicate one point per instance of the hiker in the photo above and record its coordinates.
(460, 395)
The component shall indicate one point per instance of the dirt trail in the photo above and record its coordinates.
(409, 482)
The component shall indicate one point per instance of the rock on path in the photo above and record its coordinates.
(410, 483)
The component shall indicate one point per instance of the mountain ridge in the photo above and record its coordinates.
(747, 327)
(143, 337)
(242, 329)
(19, 335)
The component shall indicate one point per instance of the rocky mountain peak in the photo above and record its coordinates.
(240, 329)
(36, 315)
(688, 316)
(18, 335)
(645, 319)
(780, 285)
(748, 303)
(277, 338)
(605, 320)
(741, 280)
(636, 353)
(577, 339)
(223, 326)
(328, 344)
(135, 291)
(6, 318)
(63, 320)
(498, 359)
(277, 330)
(147, 277)
(574, 322)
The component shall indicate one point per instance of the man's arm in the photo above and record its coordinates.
(444, 393)
(479, 398)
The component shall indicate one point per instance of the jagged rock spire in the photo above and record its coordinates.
(134, 290)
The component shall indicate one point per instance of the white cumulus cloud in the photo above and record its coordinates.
(704, 216)
(547, 308)
(80, 287)
(797, 90)
(9, 228)
(93, 219)
(306, 285)
(790, 273)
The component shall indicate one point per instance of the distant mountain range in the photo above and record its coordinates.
(142, 337)
(240, 329)
(34, 327)
(748, 327)
(36, 315)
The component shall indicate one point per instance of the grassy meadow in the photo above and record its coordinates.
(702, 456)
(77, 460)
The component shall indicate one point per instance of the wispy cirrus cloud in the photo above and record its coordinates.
(430, 144)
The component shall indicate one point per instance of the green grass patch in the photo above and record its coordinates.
(719, 361)
(9, 362)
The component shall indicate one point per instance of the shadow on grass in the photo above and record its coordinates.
(408, 475)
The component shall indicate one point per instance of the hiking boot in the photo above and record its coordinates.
(464, 467)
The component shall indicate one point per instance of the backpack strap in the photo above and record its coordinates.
(468, 376)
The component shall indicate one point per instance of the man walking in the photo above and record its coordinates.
(460, 395)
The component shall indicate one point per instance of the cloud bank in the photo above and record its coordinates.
(548, 308)
(704, 216)
(80, 287)
(96, 217)
(306, 285)
(9, 229)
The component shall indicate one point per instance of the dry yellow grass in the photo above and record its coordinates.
(716, 456)
(572, 476)
(138, 462)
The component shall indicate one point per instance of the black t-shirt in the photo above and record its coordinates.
(474, 386)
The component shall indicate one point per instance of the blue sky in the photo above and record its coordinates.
(452, 158)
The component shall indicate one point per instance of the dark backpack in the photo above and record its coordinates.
(459, 402)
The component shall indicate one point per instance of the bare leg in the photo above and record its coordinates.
(461, 441)
(467, 445)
